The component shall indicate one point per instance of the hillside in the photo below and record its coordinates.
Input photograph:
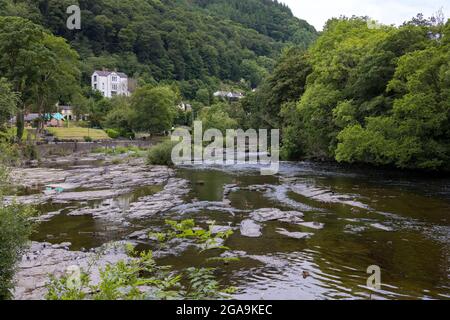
(172, 40)
(268, 17)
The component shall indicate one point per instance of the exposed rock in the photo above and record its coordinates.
(312, 225)
(44, 259)
(218, 229)
(327, 196)
(272, 214)
(295, 235)
(380, 226)
(140, 235)
(250, 228)
(198, 206)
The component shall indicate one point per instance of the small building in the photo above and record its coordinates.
(110, 83)
(232, 96)
(68, 113)
(185, 107)
(30, 119)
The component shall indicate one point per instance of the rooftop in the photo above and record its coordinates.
(105, 73)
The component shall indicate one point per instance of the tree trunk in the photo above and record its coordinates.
(20, 124)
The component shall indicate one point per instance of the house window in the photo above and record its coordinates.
(103, 86)
(95, 78)
(95, 86)
(114, 79)
(114, 86)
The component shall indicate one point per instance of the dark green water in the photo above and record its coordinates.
(397, 222)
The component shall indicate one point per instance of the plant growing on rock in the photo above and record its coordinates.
(187, 229)
(140, 278)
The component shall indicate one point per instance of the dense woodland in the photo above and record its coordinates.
(360, 95)
(354, 94)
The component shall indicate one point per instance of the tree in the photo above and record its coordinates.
(8, 102)
(40, 66)
(203, 96)
(216, 117)
(120, 117)
(154, 109)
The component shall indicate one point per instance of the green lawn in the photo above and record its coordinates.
(77, 133)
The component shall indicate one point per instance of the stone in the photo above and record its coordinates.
(33, 274)
(250, 228)
(274, 214)
(295, 235)
(312, 225)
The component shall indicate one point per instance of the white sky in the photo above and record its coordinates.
(317, 12)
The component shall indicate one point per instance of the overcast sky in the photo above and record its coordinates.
(317, 12)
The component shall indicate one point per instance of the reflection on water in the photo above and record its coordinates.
(397, 222)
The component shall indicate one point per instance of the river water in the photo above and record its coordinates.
(353, 219)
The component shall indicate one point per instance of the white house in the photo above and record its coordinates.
(228, 95)
(110, 83)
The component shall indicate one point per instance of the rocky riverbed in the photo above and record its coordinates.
(306, 233)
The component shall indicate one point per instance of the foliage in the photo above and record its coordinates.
(377, 96)
(170, 40)
(112, 133)
(15, 225)
(217, 117)
(8, 102)
(268, 17)
(187, 229)
(161, 154)
(41, 67)
(140, 277)
(154, 109)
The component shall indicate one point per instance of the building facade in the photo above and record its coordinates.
(110, 83)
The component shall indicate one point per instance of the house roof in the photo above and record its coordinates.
(28, 117)
(65, 108)
(107, 73)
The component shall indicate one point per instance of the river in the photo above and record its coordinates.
(351, 219)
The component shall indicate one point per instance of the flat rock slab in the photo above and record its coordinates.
(250, 228)
(295, 235)
(312, 225)
(274, 214)
(44, 259)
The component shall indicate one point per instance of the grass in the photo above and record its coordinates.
(78, 133)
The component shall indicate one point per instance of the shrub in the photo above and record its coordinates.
(15, 225)
(140, 277)
(87, 139)
(15, 229)
(112, 133)
(161, 154)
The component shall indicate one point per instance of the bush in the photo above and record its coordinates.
(112, 133)
(161, 154)
(87, 139)
(15, 229)
(30, 152)
(15, 225)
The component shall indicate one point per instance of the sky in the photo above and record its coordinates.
(317, 12)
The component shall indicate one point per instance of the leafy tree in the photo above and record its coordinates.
(8, 102)
(203, 96)
(41, 67)
(216, 117)
(154, 109)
